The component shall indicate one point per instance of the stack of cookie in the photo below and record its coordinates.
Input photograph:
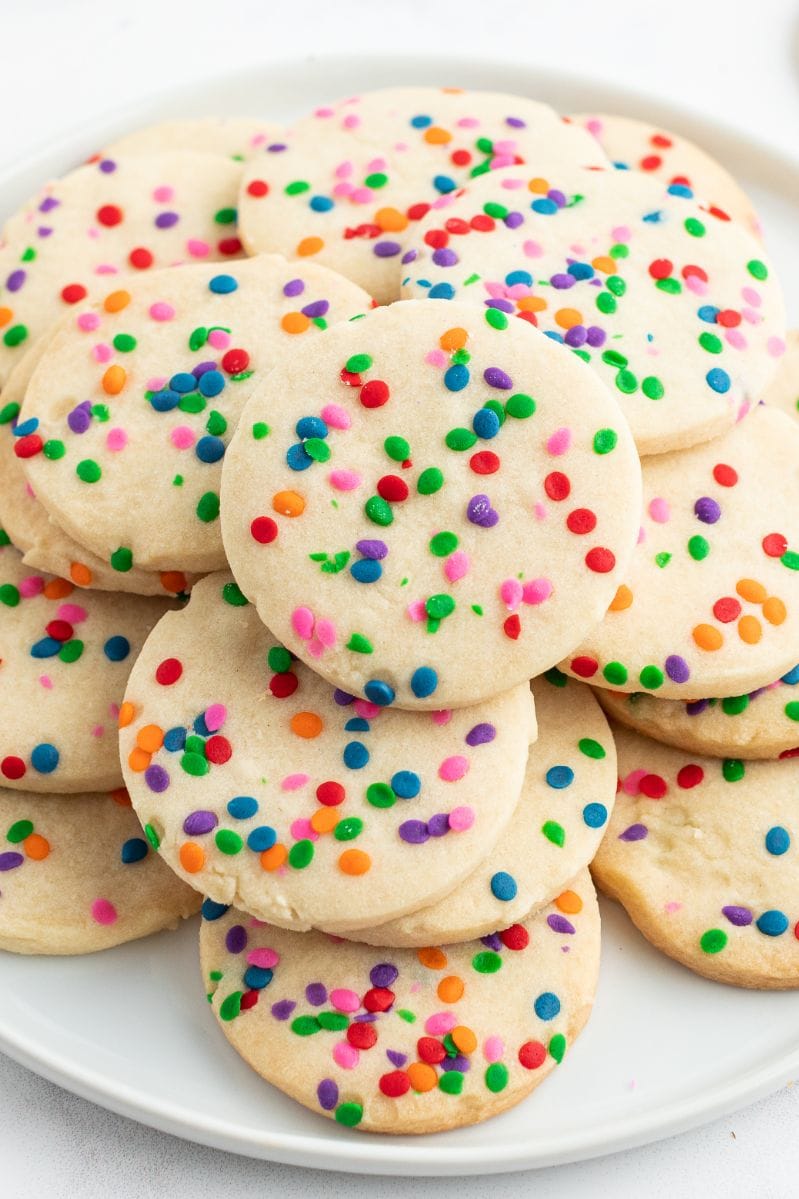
(351, 535)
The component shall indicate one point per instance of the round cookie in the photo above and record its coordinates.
(128, 414)
(702, 854)
(64, 663)
(352, 180)
(398, 1040)
(710, 601)
(77, 875)
(637, 145)
(762, 724)
(237, 137)
(43, 543)
(264, 787)
(448, 499)
(677, 311)
(783, 391)
(104, 218)
(568, 791)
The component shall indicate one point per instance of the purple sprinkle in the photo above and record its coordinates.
(383, 974)
(636, 832)
(558, 196)
(480, 512)
(165, 220)
(15, 280)
(502, 305)
(562, 281)
(342, 698)
(80, 418)
(707, 510)
(316, 994)
(326, 1093)
(696, 707)
(492, 941)
(445, 257)
(576, 336)
(199, 822)
(387, 249)
(316, 308)
(44, 230)
(596, 337)
(736, 915)
(283, 1009)
(294, 287)
(516, 122)
(414, 832)
(9, 860)
(559, 924)
(236, 938)
(410, 256)
(374, 549)
(202, 368)
(495, 377)
(156, 778)
(513, 220)
(276, 147)
(107, 166)
(365, 1018)
(438, 825)
(459, 1063)
(48, 204)
(677, 669)
(481, 734)
(396, 1058)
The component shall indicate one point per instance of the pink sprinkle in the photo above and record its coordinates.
(219, 339)
(31, 586)
(631, 785)
(751, 316)
(156, 383)
(493, 1049)
(377, 164)
(416, 610)
(325, 630)
(457, 566)
(461, 819)
(454, 768)
(46, 682)
(442, 716)
(323, 112)
(343, 170)
(535, 591)
(672, 906)
(344, 1000)
(292, 782)
(161, 311)
(343, 188)
(87, 322)
(559, 442)
(163, 194)
(436, 358)
(267, 959)
(540, 510)
(467, 122)
(72, 613)
(351, 122)
(103, 911)
(532, 249)
(183, 438)
(368, 711)
(621, 233)
(116, 439)
(344, 480)
(594, 125)
(751, 296)
(197, 248)
(102, 352)
(29, 490)
(736, 339)
(696, 285)
(659, 510)
(255, 923)
(302, 621)
(775, 347)
(315, 647)
(215, 717)
(361, 195)
(345, 1055)
(508, 184)
(301, 830)
(641, 535)
(511, 594)
(440, 1023)
(113, 711)
(98, 730)
(336, 417)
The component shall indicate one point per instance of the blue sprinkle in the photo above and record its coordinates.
(441, 291)
(514, 277)
(406, 784)
(257, 977)
(48, 647)
(560, 777)
(444, 184)
(26, 427)
(379, 692)
(116, 649)
(622, 166)
(595, 815)
(773, 923)
(311, 426)
(200, 727)
(486, 423)
(211, 383)
(544, 206)
(792, 677)
(653, 218)
(44, 758)
(421, 122)
(321, 203)
(456, 377)
(298, 458)
(366, 570)
(134, 850)
(424, 681)
(357, 725)
(708, 313)
(718, 379)
(183, 382)
(210, 449)
(778, 840)
(679, 189)
(355, 755)
(174, 740)
(581, 270)
(547, 1006)
(222, 284)
(211, 910)
(165, 400)
(261, 838)
(553, 335)
(503, 886)
(242, 807)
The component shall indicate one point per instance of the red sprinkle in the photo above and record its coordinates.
(557, 485)
(362, 1036)
(168, 672)
(374, 394)
(73, 293)
(584, 667)
(218, 750)
(263, 529)
(581, 520)
(378, 999)
(690, 776)
(430, 1050)
(774, 544)
(394, 1084)
(600, 560)
(727, 609)
(725, 476)
(532, 1055)
(257, 188)
(516, 937)
(392, 488)
(140, 258)
(484, 462)
(13, 768)
(235, 361)
(28, 446)
(512, 627)
(331, 794)
(283, 685)
(653, 786)
(109, 215)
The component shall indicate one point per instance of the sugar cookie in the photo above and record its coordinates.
(783, 391)
(237, 137)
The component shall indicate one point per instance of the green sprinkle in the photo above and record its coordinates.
(297, 187)
(71, 650)
(15, 335)
(652, 387)
(430, 481)
(614, 358)
(122, 559)
(616, 284)
(229, 842)
(557, 1047)
(260, 430)
(439, 606)
(19, 830)
(358, 363)
(152, 836)
(279, 659)
(333, 1021)
(378, 179)
(9, 412)
(9, 595)
(54, 449)
(733, 705)
(358, 644)
(713, 941)
(232, 594)
(301, 854)
(671, 286)
(497, 211)
(615, 673)
(348, 829)
(225, 216)
(591, 748)
(520, 406)
(757, 269)
(556, 677)
(4, 538)
(487, 962)
(378, 510)
(195, 764)
(651, 677)
(305, 1026)
(605, 440)
(216, 424)
(496, 1077)
(694, 227)
(197, 338)
(349, 1114)
(397, 448)
(619, 251)
(443, 544)
(88, 471)
(498, 410)
(317, 448)
(177, 481)
(231, 1006)
(554, 832)
(792, 710)
(733, 770)
(208, 507)
(451, 1082)
(192, 403)
(381, 795)
(124, 342)
(626, 382)
(711, 343)
(460, 439)
(606, 303)
(790, 559)
(496, 319)
(698, 548)
(662, 559)
(404, 1014)
(101, 412)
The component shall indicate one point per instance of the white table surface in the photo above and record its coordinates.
(63, 60)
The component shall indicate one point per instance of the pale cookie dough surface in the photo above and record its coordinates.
(352, 180)
(783, 391)
(710, 603)
(762, 724)
(130, 410)
(65, 657)
(43, 543)
(702, 854)
(636, 145)
(77, 875)
(569, 791)
(399, 1040)
(266, 788)
(237, 137)
(676, 310)
(108, 218)
(448, 504)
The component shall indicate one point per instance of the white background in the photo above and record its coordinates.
(63, 62)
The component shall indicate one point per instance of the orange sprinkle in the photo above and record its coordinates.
(36, 847)
(6, 314)
(604, 263)
(622, 599)
(294, 322)
(324, 820)
(192, 857)
(750, 629)
(569, 901)
(434, 135)
(464, 1038)
(116, 301)
(173, 581)
(139, 760)
(751, 590)
(309, 245)
(706, 637)
(126, 714)
(423, 1077)
(80, 574)
(120, 796)
(288, 503)
(354, 861)
(568, 317)
(273, 858)
(450, 989)
(774, 610)
(150, 738)
(531, 304)
(538, 185)
(58, 589)
(434, 959)
(114, 380)
(391, 220)
(453, 339)
(306, 724)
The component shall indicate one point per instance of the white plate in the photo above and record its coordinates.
(664, 1050)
